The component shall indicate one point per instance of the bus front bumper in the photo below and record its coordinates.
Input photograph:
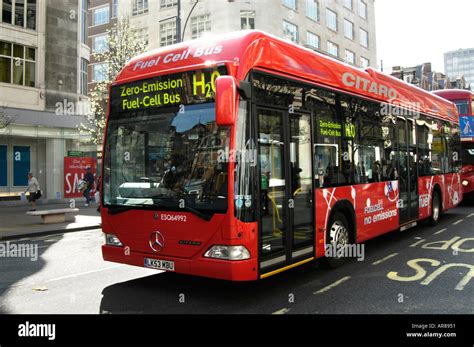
(241, 270)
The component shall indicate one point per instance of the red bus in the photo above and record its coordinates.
(464, 101)
(240, 156)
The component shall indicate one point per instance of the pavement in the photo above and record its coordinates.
(15, 223)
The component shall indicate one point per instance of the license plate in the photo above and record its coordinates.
(159, 264)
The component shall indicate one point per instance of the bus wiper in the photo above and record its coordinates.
(112, 210)
(198, 213)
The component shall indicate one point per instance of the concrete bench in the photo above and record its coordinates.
(52, 216)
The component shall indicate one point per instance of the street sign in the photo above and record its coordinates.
(74, 171)
(466, 124)
(75, 153)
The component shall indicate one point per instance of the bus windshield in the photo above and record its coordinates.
(467, 153)
(166, 155)
(463, 107)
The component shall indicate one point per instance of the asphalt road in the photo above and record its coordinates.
(421, 270)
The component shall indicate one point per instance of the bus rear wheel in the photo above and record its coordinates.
(338, 238)
(435, 209)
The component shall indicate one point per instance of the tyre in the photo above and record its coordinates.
(339, 236)
(435, 208)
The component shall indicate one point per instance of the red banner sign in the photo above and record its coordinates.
(74, 172)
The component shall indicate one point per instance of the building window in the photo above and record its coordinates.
(99, 72)
(3, 166)
(348, 4)
(21, 13)
(290, 31)
(247, 20)
(348, 29)
(364, 38)
(333, 49)
(362, 9)
(331, 19)
(139, 7)
(312, 39)
(364, 62)
(17, 64)
(167, 33)
(349, 57)
(200, 25)
(143, 35)
(84, 6)
(168, 3)
(290, 4)
(100, 44)
(312, 9)
(21, 165)
(115, 8)
(84, 64)
(101, 15)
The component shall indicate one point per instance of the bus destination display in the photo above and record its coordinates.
(184, 88)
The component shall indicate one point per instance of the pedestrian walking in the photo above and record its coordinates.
(34, 190)
(97, 193)
(89, 179)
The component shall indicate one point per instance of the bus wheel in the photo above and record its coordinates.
(435, 208)
(337, 239)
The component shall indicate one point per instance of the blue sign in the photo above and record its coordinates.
(466, 124)
(21, 165)
(3, 165)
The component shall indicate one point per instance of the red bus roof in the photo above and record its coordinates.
(455, 94)
(245, 50)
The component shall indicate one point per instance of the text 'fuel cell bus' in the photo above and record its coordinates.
(464, 101)
(240, 156)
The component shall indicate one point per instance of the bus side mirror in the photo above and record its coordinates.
(226, 100)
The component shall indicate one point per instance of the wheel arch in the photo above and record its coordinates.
(347, 209)
(437, 189)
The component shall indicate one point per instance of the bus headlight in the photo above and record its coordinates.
(228, 252)
(112, 240)
(465, 183)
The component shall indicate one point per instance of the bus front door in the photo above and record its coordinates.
(408, 173)
(286, 188)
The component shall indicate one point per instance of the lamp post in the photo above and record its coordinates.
(178, 23)
(179, 34)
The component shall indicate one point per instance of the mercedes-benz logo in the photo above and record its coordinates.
(157, 241)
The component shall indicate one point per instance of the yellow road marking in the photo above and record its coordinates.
(417, 242)
(383, 259)
(440, 231)
(282, 311)
(335, 284)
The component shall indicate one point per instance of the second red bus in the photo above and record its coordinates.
(464, 101)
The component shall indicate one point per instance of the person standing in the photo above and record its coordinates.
(89, 178)
(33, 188)
(97, 193)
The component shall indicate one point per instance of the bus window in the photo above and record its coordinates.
(468, 153)
(329, 132)
(425, 139)
(463, 107)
